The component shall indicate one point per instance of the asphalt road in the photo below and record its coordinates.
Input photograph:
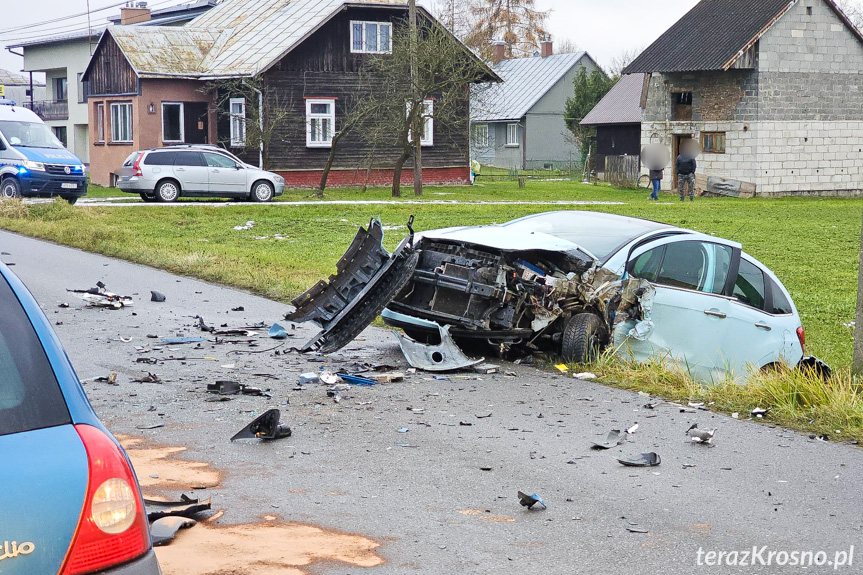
(430, 505)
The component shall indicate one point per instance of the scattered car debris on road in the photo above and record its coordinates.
(185, 507)
(163, 531)
(759, 412)
(642, 460)
(278, 332)
(357, 379)
(99, 296)
(229, 387)
(701, 435)
(149, 378)
(614, 438)
(446, 356)
(156, 296)
(530, 501)
(266, 427)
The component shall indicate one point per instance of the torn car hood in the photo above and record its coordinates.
(507, 240)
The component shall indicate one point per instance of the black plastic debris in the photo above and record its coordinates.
(185, 507)
(530, 501)
(637, 530)
(759, 412)
(99, 296)
(641, 460)
(614, 438)
(201, 325)
(226, 387)
(149, 378)
(238, 308)
(156, 296)
(704, 436)
(163, 530)
(266, 426)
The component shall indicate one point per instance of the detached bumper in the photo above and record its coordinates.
(146, 565)
(42, 184)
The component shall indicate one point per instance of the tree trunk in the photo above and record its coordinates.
(417, 116)
(397, 171)
(418, 167)
(330, 159)
(857, 365)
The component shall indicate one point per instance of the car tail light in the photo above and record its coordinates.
(113, 527)
(801, 335)
(137, 166)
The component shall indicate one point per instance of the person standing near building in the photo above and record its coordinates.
(686, 175)
(656, 181)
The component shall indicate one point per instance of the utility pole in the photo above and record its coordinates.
(417, 101)
(857, 366)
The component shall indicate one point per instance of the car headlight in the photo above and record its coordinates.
(35, 166)
(279, 179)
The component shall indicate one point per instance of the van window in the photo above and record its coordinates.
(189, 159)
(30, 397)
(29, 135)
(160, 159)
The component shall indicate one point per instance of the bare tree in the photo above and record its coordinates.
(566, 46)
(517, 22)
(455, 15)
(389, 114)
(854, 10)
(621, 61)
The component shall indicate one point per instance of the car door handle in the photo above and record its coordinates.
(181, 169)
(763, 326)
(715, 313)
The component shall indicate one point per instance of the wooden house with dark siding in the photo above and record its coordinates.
(152, 86)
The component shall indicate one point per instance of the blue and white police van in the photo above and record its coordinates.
(33, 162)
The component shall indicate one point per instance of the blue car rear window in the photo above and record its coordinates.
(30, 397)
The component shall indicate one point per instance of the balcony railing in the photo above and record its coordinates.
(50, 109)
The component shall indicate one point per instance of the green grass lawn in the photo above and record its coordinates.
(810, 243)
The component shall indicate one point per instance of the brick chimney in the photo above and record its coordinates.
(546, 47)
(499, 52)
(134, 13)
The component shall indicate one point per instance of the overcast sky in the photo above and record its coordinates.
(604, 28)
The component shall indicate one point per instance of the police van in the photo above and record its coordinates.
(33, 162)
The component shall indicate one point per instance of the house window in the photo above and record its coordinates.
(238, 121)
(60, 89)
(371, 37)
(480, 135)
(512, 135)
(713, 142)
(320, 122)
(100, 123)
(121, 122)
(61, 134)
(172, 122)
(427, 132)
(80, 86)
(682, 106)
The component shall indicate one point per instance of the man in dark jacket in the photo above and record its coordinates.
(686, 176)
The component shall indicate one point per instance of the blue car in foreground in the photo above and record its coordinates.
(70, 503)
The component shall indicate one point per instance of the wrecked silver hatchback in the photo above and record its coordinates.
(568, 283)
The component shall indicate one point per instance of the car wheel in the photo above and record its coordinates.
(9, 189)
(262, 192)
(71, 199)
(583, 338)
(149, 197)
(168, 191)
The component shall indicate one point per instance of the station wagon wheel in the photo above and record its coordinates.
(9, 189)
(583, 338)
(262, 191)
(168, 191)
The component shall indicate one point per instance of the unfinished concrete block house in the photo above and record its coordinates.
(773, 91)
(154, 86)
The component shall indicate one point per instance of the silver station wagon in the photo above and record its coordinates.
(166, 174)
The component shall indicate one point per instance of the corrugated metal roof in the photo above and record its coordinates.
(8, 78)
(525, 81)
(165, 51)
(713, 34)
(622, 104)
(263, 31)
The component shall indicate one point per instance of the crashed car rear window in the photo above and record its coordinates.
(600, 235)
(30, 397)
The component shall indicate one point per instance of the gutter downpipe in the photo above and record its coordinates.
(260, 124)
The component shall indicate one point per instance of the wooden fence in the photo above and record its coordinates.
(622, 171)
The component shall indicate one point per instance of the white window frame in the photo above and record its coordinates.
(100, 123)
(427, 139)
(182, 123)
(364, 49)
(314, 137)
(117, 135)
(480, 136)
(238, 122)
(513, 138)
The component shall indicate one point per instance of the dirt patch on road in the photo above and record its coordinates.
(157, 467)
(262, 549)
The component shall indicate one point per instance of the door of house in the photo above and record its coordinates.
(196, 124)
(678, 138)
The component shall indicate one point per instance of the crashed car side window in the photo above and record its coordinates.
(699, 266)
(749, 287)
(646, 266)
(781, 305)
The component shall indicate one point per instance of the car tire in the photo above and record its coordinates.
(262, 191)
(149, 197)
(168, 191)
(10, 189)
(583, 338)
(71, 199)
